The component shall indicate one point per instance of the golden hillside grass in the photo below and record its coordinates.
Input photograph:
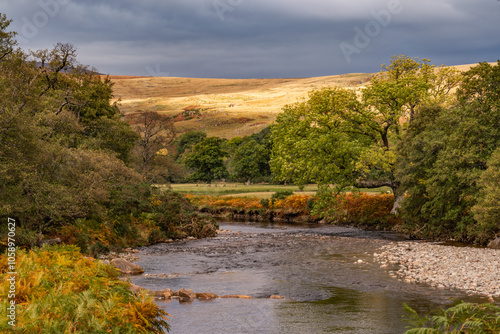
(227, 108)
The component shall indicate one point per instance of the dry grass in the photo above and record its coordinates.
(227, 108)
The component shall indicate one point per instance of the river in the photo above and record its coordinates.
(326, 273)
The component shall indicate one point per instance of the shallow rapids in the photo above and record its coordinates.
(327, 274)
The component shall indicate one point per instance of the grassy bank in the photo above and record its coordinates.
(364, 210)
(253, 190)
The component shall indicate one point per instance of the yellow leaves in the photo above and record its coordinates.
(294, 203)
(222, 201)
(154, 200)
(59, 287)
(162, 152)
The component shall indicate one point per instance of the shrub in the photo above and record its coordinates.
(228, 202)
(58, 290)
(176, 217)
(297, 204)
(355, 208)
(282, 194)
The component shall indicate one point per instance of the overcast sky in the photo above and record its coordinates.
(258, 38)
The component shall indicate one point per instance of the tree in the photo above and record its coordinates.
(187, 140)
(249, 156)
(249, 160)
(314, 142)
(442, 160)
(55, 163)
(487, 208)
(157, 133)
(207, 159)
(337, 138)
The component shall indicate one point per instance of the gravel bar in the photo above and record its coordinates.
(473, 270)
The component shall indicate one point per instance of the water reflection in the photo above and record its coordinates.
(328, 291)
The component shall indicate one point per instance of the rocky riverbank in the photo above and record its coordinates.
(473, 270)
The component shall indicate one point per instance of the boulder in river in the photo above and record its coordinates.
(167, 294)
(206, 295)
(276, 297)
(185, 294)
(495, 244)
(127, 268)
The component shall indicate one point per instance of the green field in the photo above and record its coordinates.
(254, 190)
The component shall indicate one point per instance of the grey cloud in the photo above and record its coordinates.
(279, 38)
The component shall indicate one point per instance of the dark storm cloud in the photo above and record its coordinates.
(256, 38)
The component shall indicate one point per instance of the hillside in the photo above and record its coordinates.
(223, 107)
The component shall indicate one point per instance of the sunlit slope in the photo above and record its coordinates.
(223, 107)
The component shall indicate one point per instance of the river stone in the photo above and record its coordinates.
(127, 268)
(495, 244)
(276, 297)
(185, 294)
(167, 293)
(237, 296)
(206, 295)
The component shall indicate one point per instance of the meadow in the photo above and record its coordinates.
(253, 190)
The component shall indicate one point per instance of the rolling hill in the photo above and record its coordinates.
(223, 107)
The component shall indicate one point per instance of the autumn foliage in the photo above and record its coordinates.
(58, 290)
(361, 208)
(355, 209)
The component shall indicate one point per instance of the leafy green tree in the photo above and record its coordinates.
(338, 137)
(313, 141)
(249, 156)
(443, 156)
(55, 163)
(250, 160)
(487, 209)
(187, 140)
(207, 159)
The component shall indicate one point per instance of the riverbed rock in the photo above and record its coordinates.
(185, 294)
(276, 297)
(237, 296)
(167, 294)
(206, 295)
(495, 244)
(127, 268)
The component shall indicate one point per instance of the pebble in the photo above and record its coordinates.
(472, 270)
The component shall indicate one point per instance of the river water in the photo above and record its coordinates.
(327, 275)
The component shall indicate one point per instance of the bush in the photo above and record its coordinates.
(246, 203)
(176, 217)
(61, 291)
(282, 194)
(460, 318)
(355, 208)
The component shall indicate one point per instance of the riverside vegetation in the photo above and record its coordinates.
(72, 168)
